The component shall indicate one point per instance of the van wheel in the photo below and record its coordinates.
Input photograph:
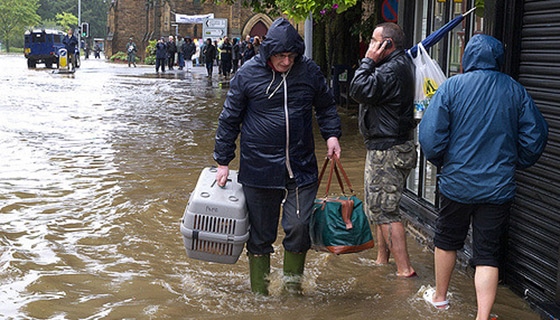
(31, 63)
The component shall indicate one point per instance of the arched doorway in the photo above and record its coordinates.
(259, 29)
(257, 25)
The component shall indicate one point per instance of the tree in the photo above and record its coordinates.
(93, 12)
(66, 20)
(15, 17)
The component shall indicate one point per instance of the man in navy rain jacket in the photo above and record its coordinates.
(480, 127)
(271, 102)
(70, 43)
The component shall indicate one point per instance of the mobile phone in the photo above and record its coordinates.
(389, 44)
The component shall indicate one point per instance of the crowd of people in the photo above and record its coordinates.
(184, 52)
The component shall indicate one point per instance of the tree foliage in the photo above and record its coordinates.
(66, 20)
(93, 12)
(15, 17)
(297, 10)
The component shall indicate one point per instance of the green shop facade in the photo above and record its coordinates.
(530, 31)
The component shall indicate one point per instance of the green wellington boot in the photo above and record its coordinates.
(293, 271)
(259, 269)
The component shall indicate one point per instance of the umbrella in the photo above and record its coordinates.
(435, 36)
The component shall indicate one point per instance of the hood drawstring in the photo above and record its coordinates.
(284, 75)
(287, 115)
(286, 192)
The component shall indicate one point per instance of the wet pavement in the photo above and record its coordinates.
(95, 174)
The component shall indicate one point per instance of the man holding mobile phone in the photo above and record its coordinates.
(384, 87)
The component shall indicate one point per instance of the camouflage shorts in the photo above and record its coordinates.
(384, 180)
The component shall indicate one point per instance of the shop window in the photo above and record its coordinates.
(448, 52)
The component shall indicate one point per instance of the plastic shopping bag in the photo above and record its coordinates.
(429, 77)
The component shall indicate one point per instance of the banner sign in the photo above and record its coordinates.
(198, 18)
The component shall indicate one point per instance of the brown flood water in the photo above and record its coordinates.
(95, 173)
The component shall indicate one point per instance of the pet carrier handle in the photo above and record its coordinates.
(216, 181)
(214, 169)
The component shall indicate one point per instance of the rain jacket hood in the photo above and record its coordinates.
(281, 37)
(483, 52)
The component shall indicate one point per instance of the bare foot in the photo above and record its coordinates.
(407, 275)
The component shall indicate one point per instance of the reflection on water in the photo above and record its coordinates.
(95, 173)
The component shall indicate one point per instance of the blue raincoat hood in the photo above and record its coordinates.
(281, 37)
(483, 52)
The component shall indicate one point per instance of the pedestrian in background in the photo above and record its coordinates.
(87, 50)
(480, 127)
(180, 52)
(384, 86)
(131, 50)
(249, 53)
(199, 52)
(271, 103)
(171, 51)
(243, 47)
(235, 55)
(226, 57)
(209, 54)
(256, 44)
(161, 54)
(189, 50)
(217, 61)
(97, 51)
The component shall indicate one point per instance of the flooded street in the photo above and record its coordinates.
(95, 173)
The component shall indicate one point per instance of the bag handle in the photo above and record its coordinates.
(422, 55)
(335, 166)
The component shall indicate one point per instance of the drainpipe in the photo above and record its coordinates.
(308, 36)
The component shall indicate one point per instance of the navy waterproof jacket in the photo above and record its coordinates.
(481, 126)
(273, 112)
(70, 43)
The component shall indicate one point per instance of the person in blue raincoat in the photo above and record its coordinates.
(271, 103)
(480, 127)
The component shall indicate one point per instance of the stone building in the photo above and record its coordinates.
(146, 20)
